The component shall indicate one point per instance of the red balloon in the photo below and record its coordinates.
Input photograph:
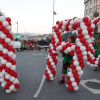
(85, 19)
(74, 71)
(72, 66)
(57, 22)
(80, 31)
(16, 85)
(78, 51)
(2, 41)
(46, 74)
(6, 86)
(6, 31)
(80, 56)
(8, 19)
(2, 28)
(68, 82)
(70, 87)
(0, 23)
(47, 78)
(71, 53)
(1, 53)
(88, 24)
(83, 40)
(13, 62)
(9, 83)
(5, 45)
(5, 56)
(90, 29)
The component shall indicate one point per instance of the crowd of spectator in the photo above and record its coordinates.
(33, 44)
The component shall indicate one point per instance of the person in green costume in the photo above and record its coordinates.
(97, 51)
(67, 60)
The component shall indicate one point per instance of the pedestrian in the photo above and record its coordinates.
(97, 51)
(66, 60)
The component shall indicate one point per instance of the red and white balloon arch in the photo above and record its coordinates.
(82, 50)
(8, 74)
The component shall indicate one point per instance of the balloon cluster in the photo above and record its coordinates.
(8, 74)
(82, 50)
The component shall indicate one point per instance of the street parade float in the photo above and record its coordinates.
(82, 50)
(8, 74)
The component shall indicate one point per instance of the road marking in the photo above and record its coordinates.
(95, 91)
(40, 87)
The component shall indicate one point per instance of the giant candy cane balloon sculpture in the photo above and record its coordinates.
(82, 50)
(8, 75)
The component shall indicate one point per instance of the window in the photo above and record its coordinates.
(90, 1)
(90, 9)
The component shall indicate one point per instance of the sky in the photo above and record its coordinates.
(36, 16)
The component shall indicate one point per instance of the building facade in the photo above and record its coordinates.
(92, 9)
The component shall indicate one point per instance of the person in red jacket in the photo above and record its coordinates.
(67, 60)
(29, 45)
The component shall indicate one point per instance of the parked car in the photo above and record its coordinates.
(17, 45)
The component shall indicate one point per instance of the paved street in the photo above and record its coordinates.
(30, 68)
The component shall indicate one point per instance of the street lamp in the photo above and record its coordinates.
(54, 13)
(17, 26)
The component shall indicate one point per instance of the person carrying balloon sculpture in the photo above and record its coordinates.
(97, 51)
(66, 60)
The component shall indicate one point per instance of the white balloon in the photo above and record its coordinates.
(10, 53)
(5, 51)
(73, 47)
(52, 63)
(13, 67)
(16, 81)
(5, 23)
(66, 52)
(63, 43)
(76, 88)
(70, 74)
(78, 68)
(49, 72)
(7, 76)
(51, 75)
(1, 47)
(72, 79)
(85, 57)
(3, 36)
(74, 84)
(3, 84)
(75, 58)
(80, 72)
(8, 91)
(9, 28)
(7, 40)
(1, 80)
(8, 64)
(1, 75)
(96, 62)
(82, 48)
(84, 32)
(84, 53)
(76, 63)
(87, 37)
(3, 72)
(69, 49)
(2, 18)
(71, 22)
(12, 79)
(3, 61)
(79, 44)
(12, 87)
(11, 43)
